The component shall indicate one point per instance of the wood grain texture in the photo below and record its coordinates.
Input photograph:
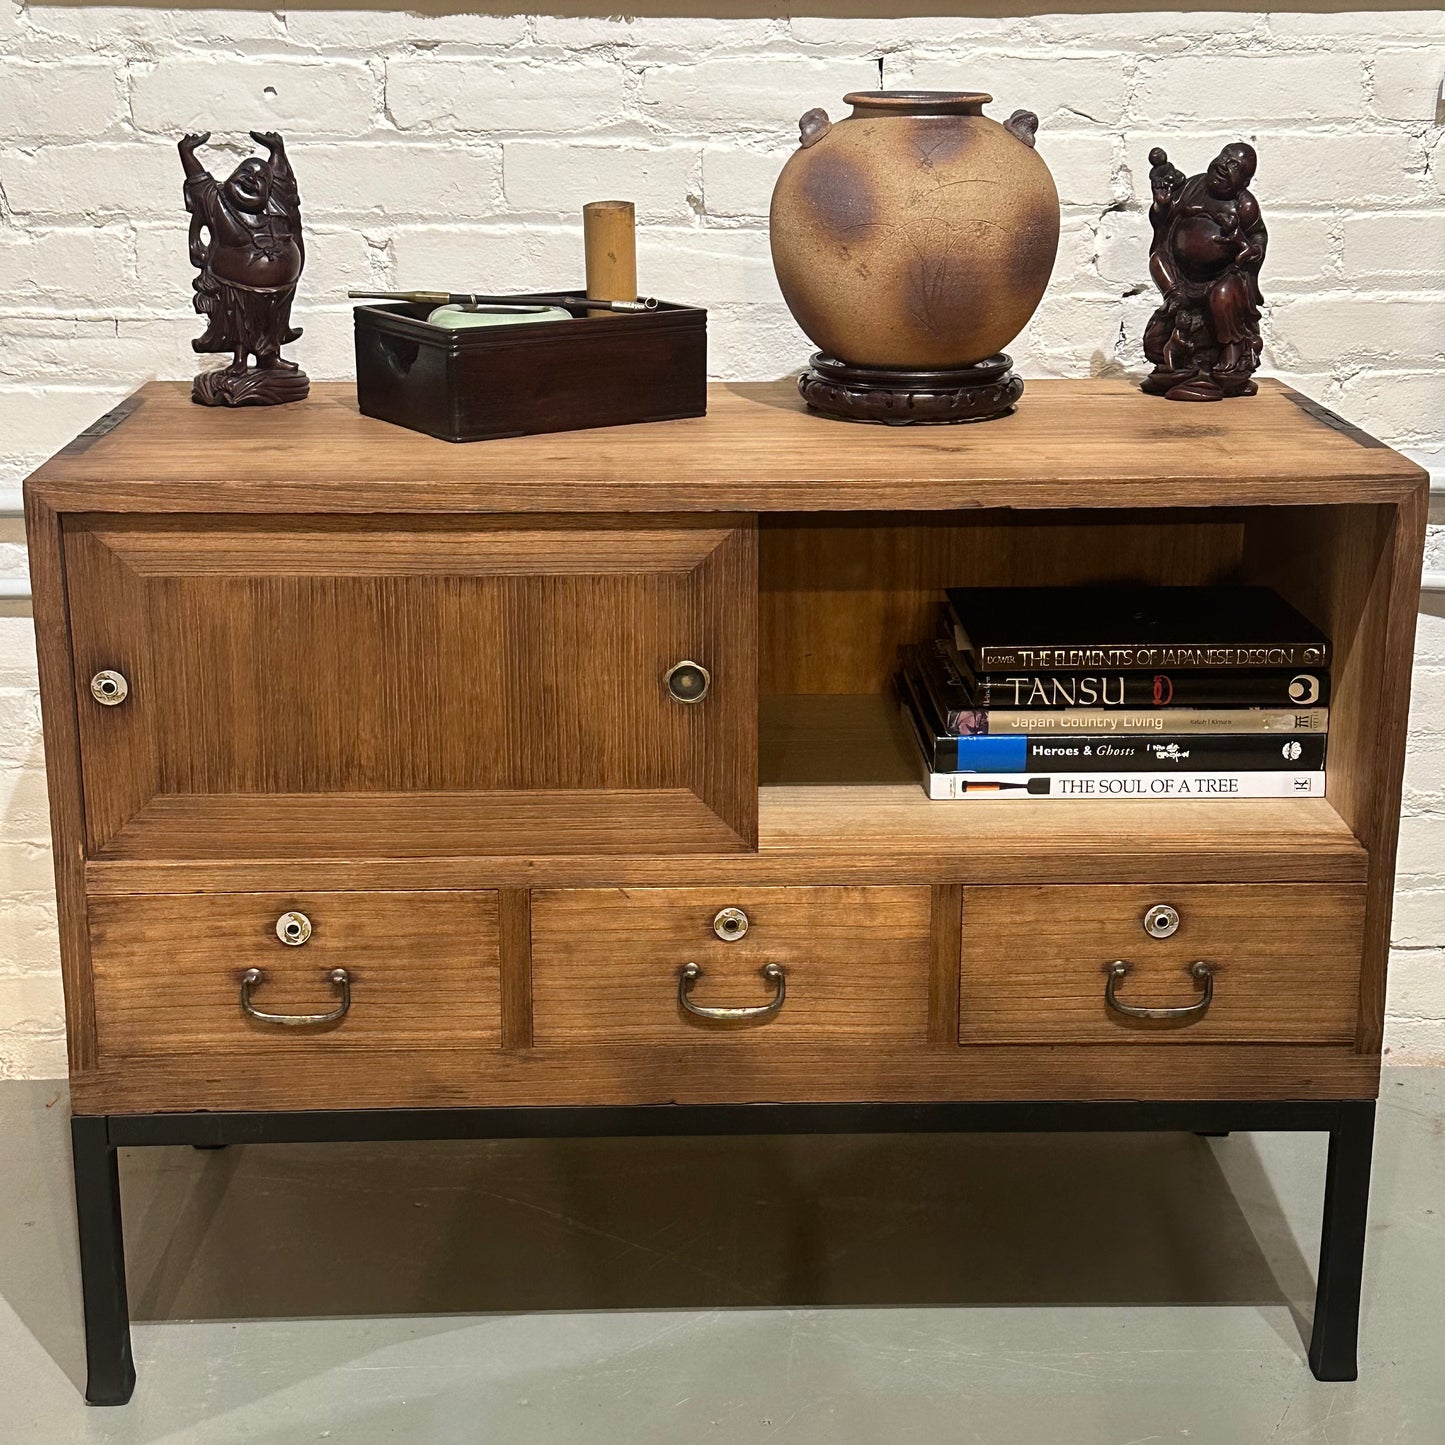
(1355, 571)
(363, 660)
(120, 761)
(1377, 820)
(735, 1073)
(1093, 442)
(838, 595)
(723, 728)
(605, 965)
(1286, 960)
(515, 936)
(945, 953)
(522, 828)
(840, 803)
(484, 547)
(423, 967)
(887, 833)
(62, 775)
(450, 662)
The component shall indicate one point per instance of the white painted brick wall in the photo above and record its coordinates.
(664, 182)
(456, 149)
(301, 97)
(493, 96)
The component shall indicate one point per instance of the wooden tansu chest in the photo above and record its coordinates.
(550, 778)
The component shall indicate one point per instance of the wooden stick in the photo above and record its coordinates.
(609, 235)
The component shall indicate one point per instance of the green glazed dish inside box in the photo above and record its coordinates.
(477, 383)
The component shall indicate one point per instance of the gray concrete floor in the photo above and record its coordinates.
(924, 1290)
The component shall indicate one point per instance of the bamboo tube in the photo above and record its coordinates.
(609, 235)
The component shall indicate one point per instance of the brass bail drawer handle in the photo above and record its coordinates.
(1202, 971)
(253, 976)
(690, 973)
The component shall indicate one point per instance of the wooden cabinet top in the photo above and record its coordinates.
(1086, 443)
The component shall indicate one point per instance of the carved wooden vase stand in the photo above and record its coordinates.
(898, 397)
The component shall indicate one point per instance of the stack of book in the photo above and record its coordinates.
(1119, 692)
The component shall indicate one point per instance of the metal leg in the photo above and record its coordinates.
(111, 1380)
(1342, 1248)
(110, 1369)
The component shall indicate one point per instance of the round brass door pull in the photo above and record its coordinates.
(688, 682)
(109, 688)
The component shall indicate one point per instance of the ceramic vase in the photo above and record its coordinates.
(916, 236)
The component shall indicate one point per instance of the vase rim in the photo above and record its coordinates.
(920, 102)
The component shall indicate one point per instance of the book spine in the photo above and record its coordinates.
(1142, 658)
(1147, 721)
(1052, 690)
(944, 685)
(1232, 752)
(942, 750)
(1126, 786)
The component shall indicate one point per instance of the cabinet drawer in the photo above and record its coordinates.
(606, 964)
(1284, 962)
(421, 971)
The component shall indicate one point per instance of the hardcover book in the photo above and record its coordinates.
(1151, 722)
(1224, 687)
(1126, 786)
(1041, 629)
(1119, 752)
(1113, 786)
(960, 709)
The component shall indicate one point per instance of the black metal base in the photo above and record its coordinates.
(110, 1376)
(1350, 1124)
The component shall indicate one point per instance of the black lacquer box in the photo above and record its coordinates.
(477, 383)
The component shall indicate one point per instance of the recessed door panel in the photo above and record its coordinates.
(330, 680)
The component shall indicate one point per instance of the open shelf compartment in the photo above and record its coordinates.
(840, 593)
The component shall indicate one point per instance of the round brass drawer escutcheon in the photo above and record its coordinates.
(1161, 921)
(293, 928)
(109, 688)
(730, 924)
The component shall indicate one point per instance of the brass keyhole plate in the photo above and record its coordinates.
(730, 924)
(109, 688)
(1161, 921)
(293, 928)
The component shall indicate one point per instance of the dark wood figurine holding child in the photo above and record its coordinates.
(1209, 243)
(246, 243)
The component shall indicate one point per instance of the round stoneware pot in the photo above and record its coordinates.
(915, 233)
